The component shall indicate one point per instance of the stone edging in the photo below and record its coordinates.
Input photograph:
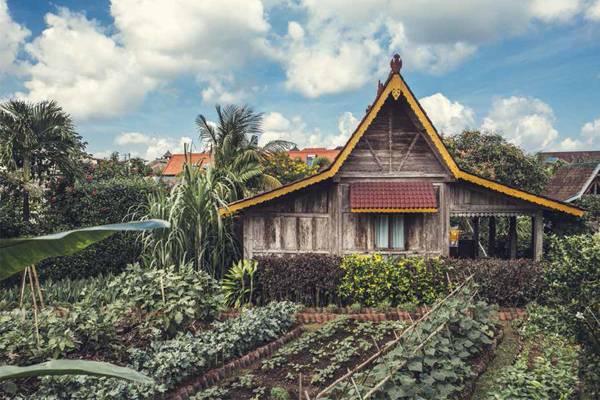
(315, 315)
(216, 375)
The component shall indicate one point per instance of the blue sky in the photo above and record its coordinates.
(135, 73)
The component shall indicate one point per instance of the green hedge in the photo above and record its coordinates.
(96, 203)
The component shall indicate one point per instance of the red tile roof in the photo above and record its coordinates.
(175, 164)
(331, 154)
(568, 181)
(572, 156)
(392, 195)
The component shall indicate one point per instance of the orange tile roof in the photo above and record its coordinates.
(303, 154)
(175, 164)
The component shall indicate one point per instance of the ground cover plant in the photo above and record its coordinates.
(319, 355)
(547, 365)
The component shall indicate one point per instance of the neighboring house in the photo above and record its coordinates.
(572, 181)
(176, 161)
(570, 156)
(392, 189)
(159, 164)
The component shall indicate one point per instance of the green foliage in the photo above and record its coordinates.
(491, 156)
(73, 367)
(19, 253)
(286, 169)
(199, 233)
(310, 279)
(508, 283)
(373, 279)
(238, 283)
(574, 284)
(454, 334)
(170, 297)
(546, 368)
(172, 361)
(279, 393)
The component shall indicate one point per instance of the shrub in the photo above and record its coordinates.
(573, 280)
(172, 361)
(238, 283)
(374, 279)
(310, 279)
(171, 297)
(95, 203)
(508, 283)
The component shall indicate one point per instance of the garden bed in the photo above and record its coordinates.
(311, 362)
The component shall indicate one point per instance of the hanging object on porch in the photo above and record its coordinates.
(454, 236)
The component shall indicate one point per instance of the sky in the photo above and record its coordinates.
(134, 74)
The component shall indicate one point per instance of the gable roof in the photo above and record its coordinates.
(396, 87)
(571, 156)
(571, 181)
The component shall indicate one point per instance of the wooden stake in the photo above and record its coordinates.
(23, 281)
(35, 310)
(37, 286)
(300, 386)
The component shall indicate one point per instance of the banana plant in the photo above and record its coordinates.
(17, 254)
(73, 367)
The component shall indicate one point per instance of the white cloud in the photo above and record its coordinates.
(12, 37)
(447, 116)
(341, 47)
(173, 36)
(524, 121)
(589, 138)
(593, 11)
(219, 90)
(277, 126)
(150, 147)
(83, 69)
(556, 10)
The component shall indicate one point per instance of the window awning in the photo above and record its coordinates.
(376, 197)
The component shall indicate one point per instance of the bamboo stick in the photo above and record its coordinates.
(35, 309)
(37, 286)
(391, 343)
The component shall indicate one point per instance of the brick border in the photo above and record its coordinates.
(214, 376)
(319, 315)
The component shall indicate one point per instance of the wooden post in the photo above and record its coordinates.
(537, 233)
(512, 237)
(476, 237)
(492, 237)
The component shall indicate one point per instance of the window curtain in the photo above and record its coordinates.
(397, 232)
(382, 230)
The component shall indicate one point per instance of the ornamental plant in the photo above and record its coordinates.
(375, 279)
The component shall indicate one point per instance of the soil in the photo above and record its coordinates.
(278, 377)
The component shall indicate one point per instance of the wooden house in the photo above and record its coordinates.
(392, 189)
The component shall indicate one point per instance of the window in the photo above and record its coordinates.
(310, 158)
(389, 231)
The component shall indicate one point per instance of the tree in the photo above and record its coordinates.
(286, 169)
(36, 141)
(236, 154)
(491, 156)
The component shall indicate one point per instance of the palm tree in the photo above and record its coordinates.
(236, 153)
(38, 139)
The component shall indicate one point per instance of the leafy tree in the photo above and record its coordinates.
(233, 144)
(38, 140)
(286, 169)
(491, 156)
(115, 167)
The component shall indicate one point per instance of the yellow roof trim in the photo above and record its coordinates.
(395, 86)
(512, 192)
(394, 210)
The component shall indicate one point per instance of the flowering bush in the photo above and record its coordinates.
(374, 279)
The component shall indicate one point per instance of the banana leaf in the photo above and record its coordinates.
(16, 254)
(73, 367)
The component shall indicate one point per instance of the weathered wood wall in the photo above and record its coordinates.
(464, 198)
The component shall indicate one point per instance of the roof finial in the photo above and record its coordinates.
(396, 64)
(379, 88)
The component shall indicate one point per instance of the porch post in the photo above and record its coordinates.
(537, 233)
(492, 237)
(476, 237)
(512, 237)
